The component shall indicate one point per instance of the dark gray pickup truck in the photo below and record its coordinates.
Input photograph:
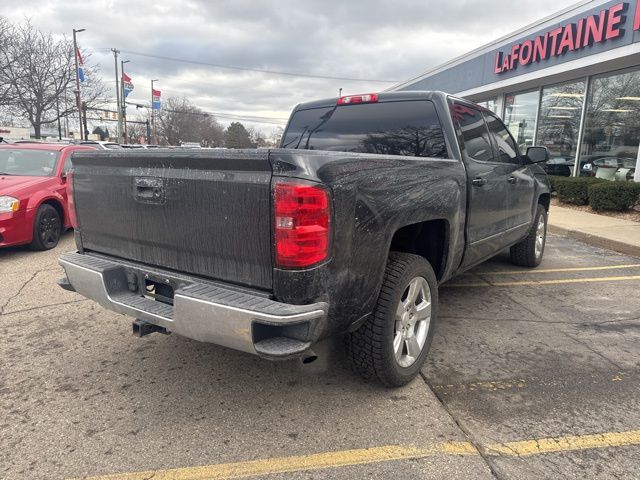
(371, 203)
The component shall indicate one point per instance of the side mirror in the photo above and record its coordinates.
(537, 154)
(63, 177)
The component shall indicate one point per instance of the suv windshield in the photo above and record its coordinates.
(410, 128)
(36, 163)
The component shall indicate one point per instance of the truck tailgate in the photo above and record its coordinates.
(201, 212)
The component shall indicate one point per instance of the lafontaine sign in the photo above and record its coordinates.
(606, 25)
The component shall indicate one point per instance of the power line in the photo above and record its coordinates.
(259, 70)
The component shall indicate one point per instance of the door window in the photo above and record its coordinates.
(503, 143)
(475, 135)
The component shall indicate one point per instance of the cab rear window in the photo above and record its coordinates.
(408, 128)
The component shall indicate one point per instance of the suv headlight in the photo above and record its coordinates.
(9, 204)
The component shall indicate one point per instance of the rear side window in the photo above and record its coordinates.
(475, 134)
(409, 128)
(503, 143)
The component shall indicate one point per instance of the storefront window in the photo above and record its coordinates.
(489, 104)
(559, 124)
(612, 127)
(520, 117)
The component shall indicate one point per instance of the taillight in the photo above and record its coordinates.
(71, 204)
(363, 98)
(301, 224)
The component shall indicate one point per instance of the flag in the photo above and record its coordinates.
(127, 84)
(156, 99)
(80, 66)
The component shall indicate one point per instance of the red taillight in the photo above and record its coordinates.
(302, 224)
(363, 98)
(71, 204)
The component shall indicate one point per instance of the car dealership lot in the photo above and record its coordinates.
(531, 374)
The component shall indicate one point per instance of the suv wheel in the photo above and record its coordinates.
(529, 252)
(392, 344)
(47, 228)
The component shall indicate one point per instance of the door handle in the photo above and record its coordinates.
(512, 179)
(478, 182)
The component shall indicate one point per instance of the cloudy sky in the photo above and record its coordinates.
(373, 40)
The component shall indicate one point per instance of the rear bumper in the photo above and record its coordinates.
(206, 312)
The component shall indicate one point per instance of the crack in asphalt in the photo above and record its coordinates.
(19, 290)
(45, 306)
(470, 438)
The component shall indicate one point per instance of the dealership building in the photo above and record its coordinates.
(570, 82)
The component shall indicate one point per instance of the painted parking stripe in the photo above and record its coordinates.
(543, 282)
(387, 453)
(554, 270)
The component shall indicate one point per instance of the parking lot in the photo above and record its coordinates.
(532, 374)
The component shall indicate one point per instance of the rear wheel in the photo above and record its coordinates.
(47, 228)
(392, 344)
(529, 252)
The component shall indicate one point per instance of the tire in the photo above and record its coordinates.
(529, 252)
(372, 348)
(47, 228)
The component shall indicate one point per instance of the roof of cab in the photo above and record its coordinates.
(382, 97)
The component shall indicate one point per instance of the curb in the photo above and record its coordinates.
(596, 240)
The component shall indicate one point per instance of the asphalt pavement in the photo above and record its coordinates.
(532, 374)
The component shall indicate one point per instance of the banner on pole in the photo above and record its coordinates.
(156, 99)
(127, 85)
(80, 66)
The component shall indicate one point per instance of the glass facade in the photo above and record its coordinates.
(520, 111)
(491, 104)
(612, 127)
(599, 138)
(559, 125)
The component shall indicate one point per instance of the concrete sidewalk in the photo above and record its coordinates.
(600, 230)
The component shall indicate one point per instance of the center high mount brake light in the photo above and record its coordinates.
(361, 98)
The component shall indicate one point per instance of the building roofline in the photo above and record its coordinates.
(576, 7)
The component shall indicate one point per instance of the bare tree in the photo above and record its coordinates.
(40, 71)
(181, 121)
(5, 61)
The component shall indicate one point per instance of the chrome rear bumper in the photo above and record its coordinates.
(206, 312)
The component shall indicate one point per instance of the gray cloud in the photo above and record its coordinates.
(374, 39)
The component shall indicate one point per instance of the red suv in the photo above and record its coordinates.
(33, 198)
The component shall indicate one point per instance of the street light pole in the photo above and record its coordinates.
(153, 123)
(124, 101)
(118, 107)
(77, 92)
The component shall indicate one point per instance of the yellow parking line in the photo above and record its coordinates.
(299, 463)
(543, 282)
(554, 270)
(566, 444)
(387, 453)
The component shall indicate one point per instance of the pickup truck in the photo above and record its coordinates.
(349, 228)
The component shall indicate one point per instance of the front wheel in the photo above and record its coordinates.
(529, 252)
(47, 228)
(392, 344)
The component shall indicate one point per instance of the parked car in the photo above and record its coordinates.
(33, 196)
(101, 145)
(372, 202)
(559, 166)
(618, 168)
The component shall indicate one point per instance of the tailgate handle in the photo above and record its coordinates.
(149, 190)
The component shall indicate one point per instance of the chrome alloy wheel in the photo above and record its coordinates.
(412, 321)
(540, 231)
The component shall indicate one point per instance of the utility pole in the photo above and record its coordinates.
(124, 102)
(153, 122)
(119, 105)
(148, 132)
(77, 92)
(58, 114)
